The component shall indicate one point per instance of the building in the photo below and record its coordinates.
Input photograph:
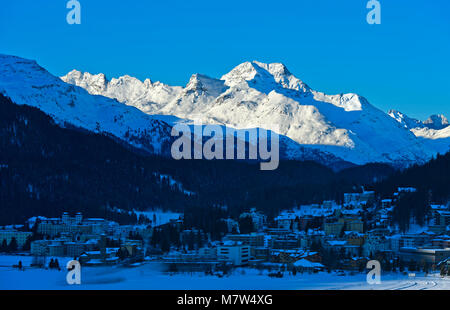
(410, 241)
(304, 264)
(253, 239)
(355, 238)
(238, 254)
(61, 248)
(285, 242)
(432, 256)
(260, 253)
(344, 224)
(442, 243)
(74, 249)
(258, 218)
(39, 247)
(375, 243)
(386, 203)
(190, 262)
(441, 218)
(286, 221)
(232, 225)
(53, 227)
(356, 199)
(68, 220)
(333, 229)
(56, 248)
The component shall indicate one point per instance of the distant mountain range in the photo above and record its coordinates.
(255, 94)
(436, 128)
(331, 129)
(435, 122)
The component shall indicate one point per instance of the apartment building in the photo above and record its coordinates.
(238, 254)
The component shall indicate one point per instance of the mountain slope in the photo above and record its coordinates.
(432, 183)
(255, 94)
(405, 121)
(46, 169)
(25, 82)
(433, 178)
(434, 132)
(435, 123)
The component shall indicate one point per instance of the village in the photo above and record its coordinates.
(315, 238)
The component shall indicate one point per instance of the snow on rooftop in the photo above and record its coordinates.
(307, 264)
(336, 242)
(308, 210)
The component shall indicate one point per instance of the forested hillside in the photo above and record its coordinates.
(432, 181)
(46, 169)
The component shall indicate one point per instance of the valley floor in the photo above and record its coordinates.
(149, 277)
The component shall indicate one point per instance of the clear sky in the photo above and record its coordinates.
(402, 63)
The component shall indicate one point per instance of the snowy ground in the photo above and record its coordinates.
(162, 217)
(148, 276)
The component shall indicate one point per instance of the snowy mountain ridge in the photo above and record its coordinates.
(434, 132)
(435, 121)
(255, 94)
(26, 83)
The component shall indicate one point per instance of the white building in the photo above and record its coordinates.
(236, 253)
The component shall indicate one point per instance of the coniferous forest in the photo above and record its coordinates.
(46, 169)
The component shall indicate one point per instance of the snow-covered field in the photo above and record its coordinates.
(149, 277)
(161, 217)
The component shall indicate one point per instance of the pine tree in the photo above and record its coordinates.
(443, 271)
(246, 225)
(4, 246)
(12, 246)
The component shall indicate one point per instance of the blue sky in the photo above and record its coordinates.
(402, 63)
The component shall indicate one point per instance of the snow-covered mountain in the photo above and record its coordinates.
(404, 120)
(255, 94)
(146, 96)
(434, 132)
(435, 122)
(26, 83)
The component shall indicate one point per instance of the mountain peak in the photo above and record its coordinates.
(256, 94)
(8, 59)
(246, 71)
(94, 83)
(437, 121)
(264, 75)
(276, 69)
(13, 68)
(249, 69)
(200, 83)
